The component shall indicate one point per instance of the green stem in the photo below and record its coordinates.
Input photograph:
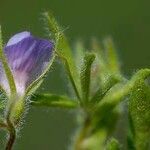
(82, 135)
(12, 135)
(11, 129)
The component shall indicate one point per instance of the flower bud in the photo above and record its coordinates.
(27, 57)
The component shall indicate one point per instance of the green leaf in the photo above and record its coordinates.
(51, 100)
(113, 145)
(139, 109)
(101, 92)
(79, 53)
(111, 55)
(53, 27)
(64, 52)
(56, 31)
(70, 75)
(100, 60)
(85, 75)
(107, 60)
(116, 94)
(6, 67)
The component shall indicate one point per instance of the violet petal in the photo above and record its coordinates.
(27, 54)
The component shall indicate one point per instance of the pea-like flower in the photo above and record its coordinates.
(27, 57)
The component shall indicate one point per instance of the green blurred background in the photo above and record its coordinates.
(127, 21)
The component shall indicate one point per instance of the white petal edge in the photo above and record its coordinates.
(18, 37)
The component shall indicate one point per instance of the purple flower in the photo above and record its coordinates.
(27, 57)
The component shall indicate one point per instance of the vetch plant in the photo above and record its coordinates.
(97, 81)
(25, 60)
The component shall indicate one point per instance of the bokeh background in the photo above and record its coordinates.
(127, 21)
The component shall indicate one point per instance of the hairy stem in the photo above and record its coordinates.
(11, 140)
(11, 130)
(12, 135)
